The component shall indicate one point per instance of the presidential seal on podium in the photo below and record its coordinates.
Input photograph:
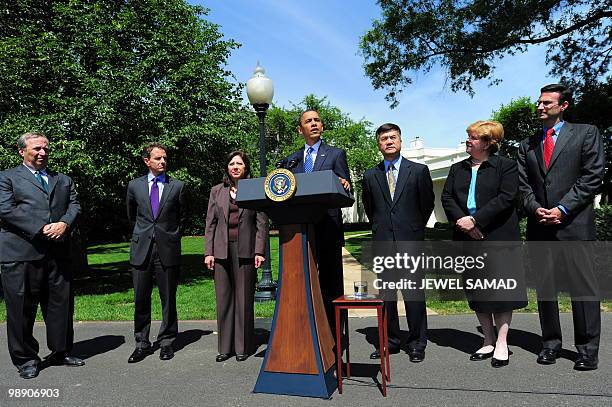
(280, 185)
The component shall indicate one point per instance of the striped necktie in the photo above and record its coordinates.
(391, 180)
(308, 164)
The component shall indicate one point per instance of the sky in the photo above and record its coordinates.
(312, 47)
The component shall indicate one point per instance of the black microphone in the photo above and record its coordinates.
(293, 163)
(282, 163)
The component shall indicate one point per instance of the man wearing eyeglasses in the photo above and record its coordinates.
(560, 169)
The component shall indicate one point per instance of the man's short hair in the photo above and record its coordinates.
(387, 127)
(565, 93)
(146, 151)
(22, 141)
(299, 121)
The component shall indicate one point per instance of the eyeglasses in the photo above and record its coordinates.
(546, 103)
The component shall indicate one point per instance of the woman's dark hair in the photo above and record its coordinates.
(227, 180)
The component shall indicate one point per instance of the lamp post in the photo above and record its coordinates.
(260, 91)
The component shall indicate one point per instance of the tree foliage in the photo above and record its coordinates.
(467, 38)
(102, 78)
(519, 120)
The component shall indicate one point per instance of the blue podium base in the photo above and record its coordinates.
(295, 384)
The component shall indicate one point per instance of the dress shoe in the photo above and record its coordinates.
(416, 355)
(139, 354)
(585, 362)
(222, 357)
(166, 352)
(480, 356)
(392, 351)
(548, 357)
(66, 360)
(500, 362)
(29, 372)
(241, 357)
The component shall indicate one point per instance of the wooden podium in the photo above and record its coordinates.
(300, 358)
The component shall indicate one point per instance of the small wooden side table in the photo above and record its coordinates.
(345, 302)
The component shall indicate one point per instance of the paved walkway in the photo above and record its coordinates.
(193, 378)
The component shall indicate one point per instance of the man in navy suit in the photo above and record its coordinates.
(398, 198)
(329, 233)
(38, 208)
(560, 170)
(157, 211)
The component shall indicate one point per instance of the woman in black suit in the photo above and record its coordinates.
(234, 247)
(479, 198)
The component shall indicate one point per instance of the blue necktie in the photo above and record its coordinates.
(308, 160)
(42, 181)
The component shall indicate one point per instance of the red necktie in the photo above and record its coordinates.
(549, 146)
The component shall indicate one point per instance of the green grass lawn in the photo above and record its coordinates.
(105, 291)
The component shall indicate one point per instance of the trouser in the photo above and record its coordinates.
(235, 290)
(26, 284)
(167, 282)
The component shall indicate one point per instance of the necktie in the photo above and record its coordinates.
(42, 181)
(549, 146)
(154, 198)
(308, 160)
(391, 180)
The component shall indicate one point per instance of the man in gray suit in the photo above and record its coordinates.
(38, 208)
(156, 208)
(560, 170)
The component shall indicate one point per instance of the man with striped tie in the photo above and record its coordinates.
(398, 198)
(38, 208)
(156, 208)
(329, 235)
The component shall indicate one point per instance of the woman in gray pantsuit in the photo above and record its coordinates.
(234, 247)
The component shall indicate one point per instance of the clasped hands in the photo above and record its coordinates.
(209, 261)
(468, 225)
(552, 216)
(55, 231)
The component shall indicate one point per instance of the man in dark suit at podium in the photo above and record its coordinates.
(398, 198)
(38, 208)
(156, 208)
(329, 233)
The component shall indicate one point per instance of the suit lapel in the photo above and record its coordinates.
(52, 181)
(28, 176)
(402, 178)
(382, 182)
(144, 192)
(321, 156)
(299, 168)
(564, 136)
(224, 202)
(539, 151)
(168, 186)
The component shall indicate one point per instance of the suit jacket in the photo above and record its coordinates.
(575, 173)
(496, 192)
(252, 227)
(167, 228)
(403, 218)
(330, 228)
(25, 208)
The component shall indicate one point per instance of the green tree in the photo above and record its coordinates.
(468, 37)
(102, 78)
(520, 122)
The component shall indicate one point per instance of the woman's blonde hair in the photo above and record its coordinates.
(488, 131)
